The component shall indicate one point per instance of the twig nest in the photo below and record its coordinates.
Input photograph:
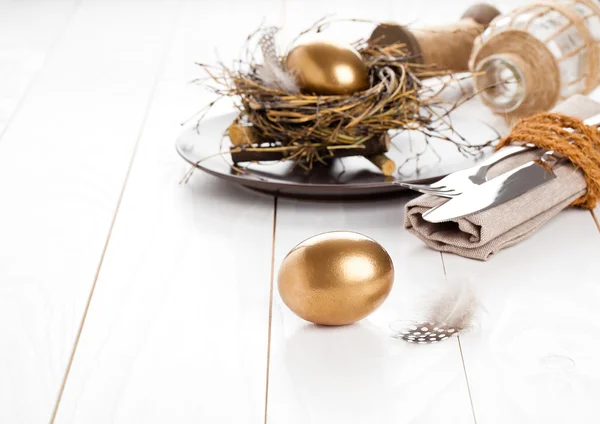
(328, 68)
(335, 278)
(370, 89)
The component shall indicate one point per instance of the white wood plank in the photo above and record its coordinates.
(438, 12)
(534, 357)
(536, 340)
(63, 161)
(358, 373)
(177, 327)
(28, 30)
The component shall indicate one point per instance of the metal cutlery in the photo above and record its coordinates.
(457, 182)
(502, 188)
(497, 190)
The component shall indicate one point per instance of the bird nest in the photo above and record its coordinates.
(279, 124)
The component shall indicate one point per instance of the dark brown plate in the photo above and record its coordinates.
(352, 177)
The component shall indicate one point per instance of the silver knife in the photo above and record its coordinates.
(500, 189)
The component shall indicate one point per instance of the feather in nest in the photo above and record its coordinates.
(271, 72)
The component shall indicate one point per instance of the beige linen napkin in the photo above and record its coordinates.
(482, 234)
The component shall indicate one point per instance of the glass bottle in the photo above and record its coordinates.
(568, 31)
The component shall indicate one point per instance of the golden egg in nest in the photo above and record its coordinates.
(335, 278)
(328, 68)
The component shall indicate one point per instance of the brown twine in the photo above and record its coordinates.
(449, 46)
(540, 67)
(569, 137)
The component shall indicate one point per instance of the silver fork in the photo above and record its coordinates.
(457, 182)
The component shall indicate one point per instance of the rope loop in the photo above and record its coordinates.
(569, 137)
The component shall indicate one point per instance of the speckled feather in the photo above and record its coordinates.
(452, 311)
(271, 73)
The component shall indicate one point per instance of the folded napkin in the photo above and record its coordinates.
(482, 234)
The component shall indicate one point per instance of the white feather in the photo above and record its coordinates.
(271, 72)
(273, 76)
(454, 305)
(452, 310)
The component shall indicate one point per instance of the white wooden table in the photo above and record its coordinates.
(126, 297)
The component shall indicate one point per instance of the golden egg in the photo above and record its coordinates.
(335, 278)
(325, 67)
